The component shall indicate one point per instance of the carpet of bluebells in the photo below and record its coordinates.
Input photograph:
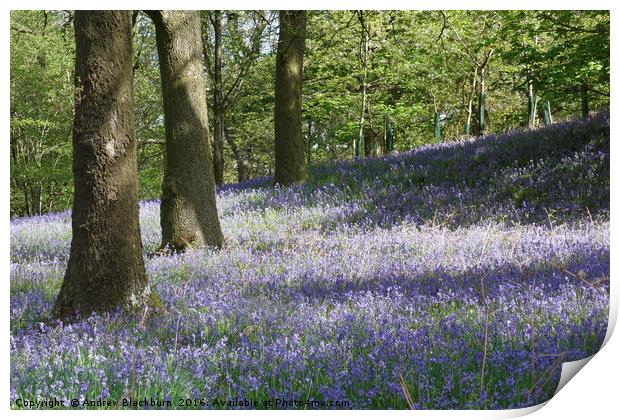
(458, 275)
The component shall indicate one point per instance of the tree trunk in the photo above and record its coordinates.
(243, 169)
(585, 105)
(218, 105)
(26, 192)
(188, 204)
(470, 105)
(289, 142)
(389, 136)
(437, 127)
(36, 199)
(309, 139)
(547, 113)
(482, 105)
(106, 267)
(368, 140)
(243, 164)
(531, 104)
(364, 50)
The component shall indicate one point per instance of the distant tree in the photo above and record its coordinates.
(218, 100)
(555, 59)
(188, 205)
(289, 142)
(106, 267)
(479, 58)
(41, 111)
(236, 38)
(360, 147)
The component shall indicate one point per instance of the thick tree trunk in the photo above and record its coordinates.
(218, 102)
(188, 204)
(106, 267)
(289, 142)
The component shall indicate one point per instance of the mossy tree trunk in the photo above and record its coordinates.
(106, 267)
(188, 204)
(289, 142)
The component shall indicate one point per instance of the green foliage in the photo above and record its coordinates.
(418, 63)
(42, 52)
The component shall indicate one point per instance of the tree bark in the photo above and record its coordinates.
(218, 103)
(289, 143)
(106, 267)
(188, 204)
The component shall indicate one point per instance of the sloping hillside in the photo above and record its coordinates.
(465, 272)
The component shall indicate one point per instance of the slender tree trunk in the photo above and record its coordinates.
(389, 136)
(470, 105)
(218, 105)
(547, 113)
(188, 204)
(532, 100)
(309, 142)
(531, 104)
(585, 103)
(437, 127)
(364, 49)
(368, 141)
(243, 169)
(482, 105)
(106, 267)
(289, 142)
(243, 164)
(26, 192)
(36, 199)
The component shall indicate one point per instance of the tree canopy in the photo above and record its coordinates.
(416, 71)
